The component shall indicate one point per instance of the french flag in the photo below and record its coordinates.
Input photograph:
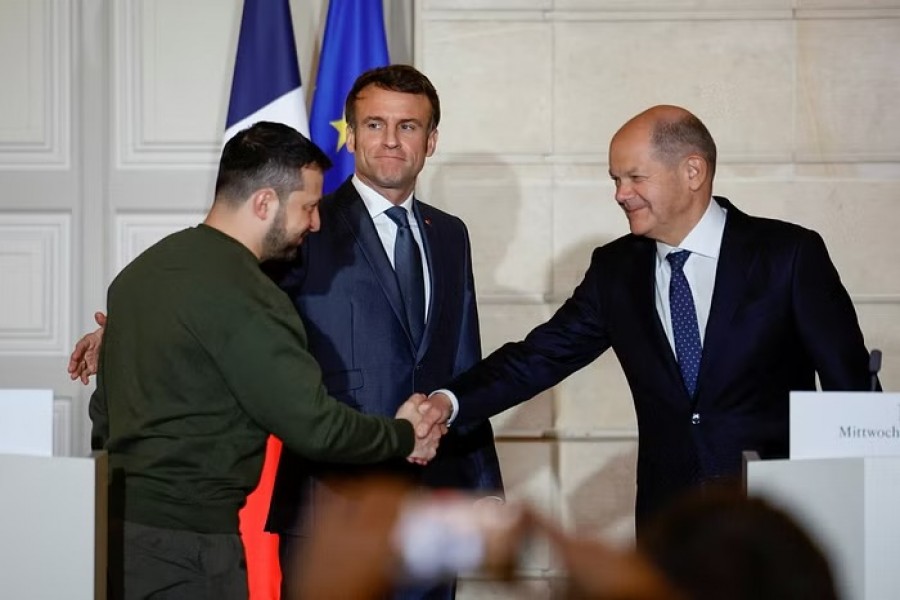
(266, 87)
(266, 84)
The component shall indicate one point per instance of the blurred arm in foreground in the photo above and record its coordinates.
(384, 532)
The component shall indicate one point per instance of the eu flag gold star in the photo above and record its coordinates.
(341, 126)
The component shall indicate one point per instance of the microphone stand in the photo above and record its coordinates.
(874, 367)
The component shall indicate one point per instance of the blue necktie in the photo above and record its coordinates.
(684, 321)
(408, 268)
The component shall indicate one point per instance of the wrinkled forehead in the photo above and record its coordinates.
(378, 102)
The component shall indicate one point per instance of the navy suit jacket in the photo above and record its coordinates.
(344, 288)
(779, 316)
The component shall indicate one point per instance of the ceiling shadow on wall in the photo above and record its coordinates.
(603, 502)
(609, 488)
(491, 235)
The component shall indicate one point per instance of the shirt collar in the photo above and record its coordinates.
(375, 203)
(706, 236)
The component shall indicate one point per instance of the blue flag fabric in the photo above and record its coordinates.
(266, 84)
(354, 43)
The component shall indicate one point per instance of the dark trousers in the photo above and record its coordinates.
(289, 555)
(170, 564)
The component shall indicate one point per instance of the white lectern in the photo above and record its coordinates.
(53, 527)
(845, 486)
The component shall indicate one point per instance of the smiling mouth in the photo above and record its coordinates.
(631, 209)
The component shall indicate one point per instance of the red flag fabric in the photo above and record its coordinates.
(266, 87)
(263, 574)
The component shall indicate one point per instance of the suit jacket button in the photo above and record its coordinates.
(695, 419)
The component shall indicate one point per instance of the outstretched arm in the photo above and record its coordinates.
(596, 570)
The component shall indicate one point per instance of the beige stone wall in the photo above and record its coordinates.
(801, 97)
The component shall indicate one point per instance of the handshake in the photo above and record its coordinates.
(428, 416)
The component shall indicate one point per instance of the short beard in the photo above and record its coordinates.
(276, 245)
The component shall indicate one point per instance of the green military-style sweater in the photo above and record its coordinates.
(202, 357)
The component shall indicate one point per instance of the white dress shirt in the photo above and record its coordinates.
(377, 204)
(703, 242)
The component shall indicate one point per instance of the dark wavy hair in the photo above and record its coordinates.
(266, 155)
(396, 78)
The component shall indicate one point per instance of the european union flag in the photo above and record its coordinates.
(354, 43)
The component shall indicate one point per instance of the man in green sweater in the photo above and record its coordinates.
(203, 358)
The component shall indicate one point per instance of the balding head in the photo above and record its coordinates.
(662, 162)
(675, 133)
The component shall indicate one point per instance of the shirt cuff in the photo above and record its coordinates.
(453, 401)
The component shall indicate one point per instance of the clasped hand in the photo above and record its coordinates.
(429, 424)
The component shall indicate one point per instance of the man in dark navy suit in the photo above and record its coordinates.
(375, 339)
(714, 315)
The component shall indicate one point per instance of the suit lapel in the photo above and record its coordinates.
(435, 251)
(736, 259)
(357, 218)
